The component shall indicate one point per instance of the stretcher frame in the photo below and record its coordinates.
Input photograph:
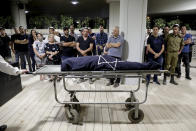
(135, 115)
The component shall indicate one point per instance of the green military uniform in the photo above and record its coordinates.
(174, 44)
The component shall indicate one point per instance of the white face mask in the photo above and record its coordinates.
(40, 39)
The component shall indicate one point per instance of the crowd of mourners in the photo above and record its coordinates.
(168, 49)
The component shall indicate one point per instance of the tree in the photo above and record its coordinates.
(85, 22)
(99, 21)
(160, 22)
(6, 22)
(148, 22)
(173, 22)
(65, 21)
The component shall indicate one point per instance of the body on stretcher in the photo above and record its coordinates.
(72, 106)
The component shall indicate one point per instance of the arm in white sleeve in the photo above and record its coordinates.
(7, 68)
(57, 38)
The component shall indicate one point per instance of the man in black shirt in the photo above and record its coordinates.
(93, 36)
(14, 45)
(68, 45)
(4, 44)
(84, 44)
(21, 41)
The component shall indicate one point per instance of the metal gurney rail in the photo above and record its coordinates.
(135, 115)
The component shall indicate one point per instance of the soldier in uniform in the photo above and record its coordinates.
(175, 45)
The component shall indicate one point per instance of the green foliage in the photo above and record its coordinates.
(62, 21)
(6, 22)
(160, 22)
(53, 22)
(148, 22)
(36, 22)
(43, 22)
(99, 21)
(188, 27)
(79, 23)
(65, 21)
(173, 22)
(85, 22)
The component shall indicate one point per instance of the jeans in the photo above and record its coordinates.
(32, 56)
(22, 56)
(115, 80)
(158, 60)
(17, 58)
(99, 51)
(185, 58)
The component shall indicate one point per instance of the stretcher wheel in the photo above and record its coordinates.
(72, 116)
(132, 118)
(129, 106)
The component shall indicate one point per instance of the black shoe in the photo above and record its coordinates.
(90, 81)
(116, 85)
(3, 127)
(157, 82)
(58, 79)
(109, 83)
(172, 81)
(178, 76)
(164, 80)
(188, 77)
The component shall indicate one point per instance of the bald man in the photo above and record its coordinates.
(114, 48)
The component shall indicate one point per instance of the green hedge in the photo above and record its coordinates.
(42, 22)
(6, 22)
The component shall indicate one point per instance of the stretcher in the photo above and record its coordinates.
(72, 106)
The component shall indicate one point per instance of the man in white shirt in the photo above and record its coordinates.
(52, 31)
(10, 70)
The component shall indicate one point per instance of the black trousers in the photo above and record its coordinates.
(115, 80)
(185, 58)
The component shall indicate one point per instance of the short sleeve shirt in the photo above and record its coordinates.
(68, 51)
(22, 47)
(174, 43)
(52, 48)
(187, 46)
(39, 46)
(85, 44)
(155, 43)
(116, 52)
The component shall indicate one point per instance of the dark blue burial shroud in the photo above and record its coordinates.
(104, 63)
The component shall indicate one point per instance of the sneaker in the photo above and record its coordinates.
(164, 83)
(188, 77)
(157, 82)
(173, 82)
(109, 83)
(90, 81)
(81, 80)
(58, 79)
(116, 85)
(51, 80)
(3, 127)
(178, 76)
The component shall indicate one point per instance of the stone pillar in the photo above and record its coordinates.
(114, 14)
(18, 13)
(132, 27)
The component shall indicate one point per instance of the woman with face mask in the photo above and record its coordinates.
(40, 56)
